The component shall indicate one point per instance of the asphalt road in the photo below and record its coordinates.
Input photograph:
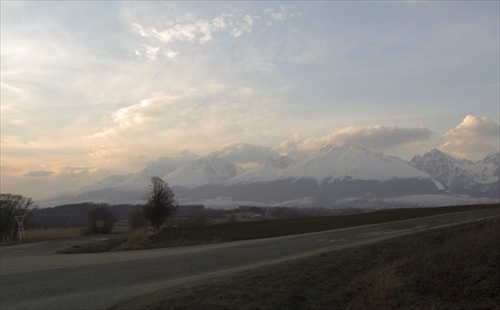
(32, 276)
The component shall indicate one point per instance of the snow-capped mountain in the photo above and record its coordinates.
(206, 170)
(244, 153)
(453, 172)
(333, 163)
(160, 167)
(349, 162)
(327, 175)
(449, 171)
(272, 169)
(114, 180)
(138, 181)
(330, 174)
(461, 175)
(487, 170)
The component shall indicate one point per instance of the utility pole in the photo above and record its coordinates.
(20, 225)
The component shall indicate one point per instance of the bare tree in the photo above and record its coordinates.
(161, 203)
(10, 207)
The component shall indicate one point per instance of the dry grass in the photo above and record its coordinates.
(225, 232)
(53, 233)
(137, 239)
(36, 235)
(96, 247)
(456, 267)
(458, 270)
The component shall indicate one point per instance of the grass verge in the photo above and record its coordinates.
(456, 267)
(95, 247)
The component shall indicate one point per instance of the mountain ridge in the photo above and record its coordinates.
(323, 176)
(453, 172)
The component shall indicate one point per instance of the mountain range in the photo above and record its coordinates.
(328, 176)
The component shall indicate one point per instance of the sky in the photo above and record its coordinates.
(94, 88)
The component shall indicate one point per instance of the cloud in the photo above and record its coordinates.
(374, 138)
(241, 26)
(474, 137)
(76, 170)
(39, 174)
(228, 78)
(198, 30)
(283, 13)
(42, 184)
(151, 52)
(201, 119)
(242, 153)
(189, 30)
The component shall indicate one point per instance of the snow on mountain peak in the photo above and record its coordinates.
(206, 170)
(294, 177)
(487, 170)
(492, 158)
(280, 162)
(458, 173)
(347, 161)
(333, 163)
(240, 153)
(270, 170)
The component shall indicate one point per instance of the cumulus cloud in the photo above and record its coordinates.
(474, 137)
(197, 119)
(374, 138)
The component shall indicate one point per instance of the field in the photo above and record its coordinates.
(456, 267)
(225, 232)
(36, 235)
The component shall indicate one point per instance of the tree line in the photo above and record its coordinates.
(159, 207)
(10, 207)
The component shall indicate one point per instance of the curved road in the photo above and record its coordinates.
(33, 277)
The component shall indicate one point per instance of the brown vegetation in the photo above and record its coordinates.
(96, 247)
(53, 233)
(456, 267)
(205, 234)
(137, 239)
(235, 231)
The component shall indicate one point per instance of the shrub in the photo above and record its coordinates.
(137, 220)
(103, 216)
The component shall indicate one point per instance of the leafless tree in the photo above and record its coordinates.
(160, 203)
(10, 207)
